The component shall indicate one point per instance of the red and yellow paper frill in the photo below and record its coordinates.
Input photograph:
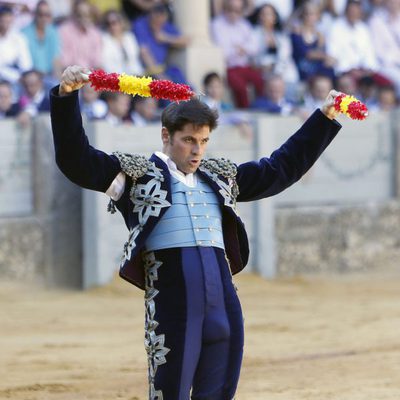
(140, 86)
(350, 106)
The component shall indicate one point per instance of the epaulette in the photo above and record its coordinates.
(134, 165)
(220, 166)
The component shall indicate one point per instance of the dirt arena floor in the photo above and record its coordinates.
(305, 339)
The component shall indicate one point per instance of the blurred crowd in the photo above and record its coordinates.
(281, 56)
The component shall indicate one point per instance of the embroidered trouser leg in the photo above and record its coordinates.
(197, 340)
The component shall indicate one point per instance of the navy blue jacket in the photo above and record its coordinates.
(93, 169)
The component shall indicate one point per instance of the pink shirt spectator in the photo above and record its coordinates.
(236, 39)
(81, 47)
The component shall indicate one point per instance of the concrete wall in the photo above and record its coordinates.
(40, 214)
(331, 240)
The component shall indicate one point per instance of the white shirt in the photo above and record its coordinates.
(14, 56)
(117, 187)
(351, 45)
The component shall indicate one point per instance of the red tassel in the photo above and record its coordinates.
(100, 80)
(357, 110)
(338, 100)
(167, 90)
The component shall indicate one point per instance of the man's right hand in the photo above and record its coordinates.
(73, 78)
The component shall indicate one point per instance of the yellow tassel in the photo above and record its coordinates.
(344, 105)
(134, 85)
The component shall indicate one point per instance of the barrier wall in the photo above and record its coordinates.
(53, 231)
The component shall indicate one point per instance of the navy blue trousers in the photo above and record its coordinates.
(194, 325)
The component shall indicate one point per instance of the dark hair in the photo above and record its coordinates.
(32, 71)
(176, 115)
(208, 78)
(278, 22)
(5, 10)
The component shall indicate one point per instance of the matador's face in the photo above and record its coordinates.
(187, 146)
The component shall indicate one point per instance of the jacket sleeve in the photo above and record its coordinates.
(77, 159)
(286, 165)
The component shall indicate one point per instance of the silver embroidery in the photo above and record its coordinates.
(154, 344)
(134, 165)
(219, 166)
(148, 199)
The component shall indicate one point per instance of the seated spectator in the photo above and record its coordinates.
(81, 41)
(120, 48)
(215, 93)
(23, 11)
(34, 98)
(93, 108)
(274, 47)
(319, 87)
(350, 44)
(144, 111)
(385, 34)
(347, 84)
(14, 52)
(368, 92)
(387, 99)
(156, 37)
(234, 34)
(274, 100)
(118, 105)
(308, 45)
(7, 107)
(43, 41)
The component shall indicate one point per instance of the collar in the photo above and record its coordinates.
(188, 179)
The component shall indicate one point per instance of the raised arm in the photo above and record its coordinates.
(76, 158)
(286, 165)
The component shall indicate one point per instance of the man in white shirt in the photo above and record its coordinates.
(14, 53)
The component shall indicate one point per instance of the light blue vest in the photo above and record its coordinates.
(193, 219)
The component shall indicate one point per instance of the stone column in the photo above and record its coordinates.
(201, 55)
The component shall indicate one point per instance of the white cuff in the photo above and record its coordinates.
(117, 187)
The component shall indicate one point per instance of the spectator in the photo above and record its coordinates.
(120, 48)
(217, 7)
(308, 44)
(93, 108)
(319, 87)
(274, 100)
(387, 100)
(7, 107)
(368, 92)
(118, 105)
(215, 93)
(385, 34)
(81, 41)
(34, 98)
(43, 41)
(234, 34)
(156, 37)
(346, 84)
(15, 57)
(23, 11)
(274, 47)
(144, 111)
(350, 43)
